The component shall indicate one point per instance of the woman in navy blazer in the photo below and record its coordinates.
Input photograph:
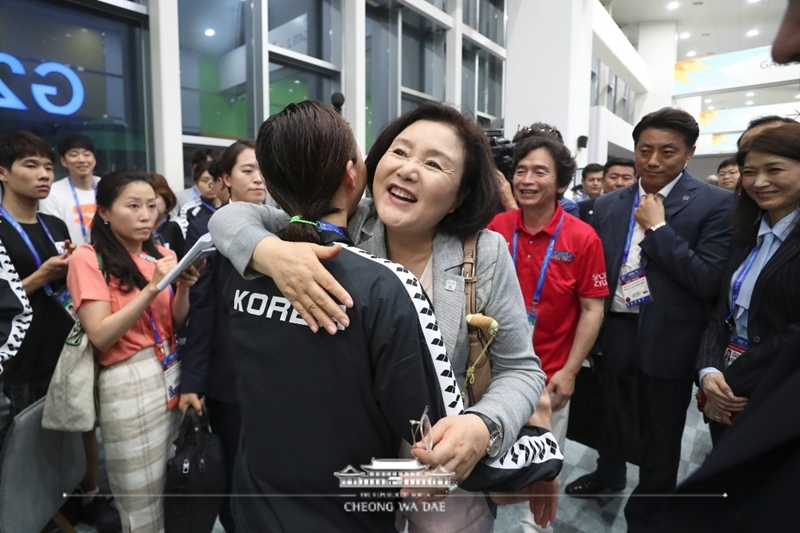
(757, 311)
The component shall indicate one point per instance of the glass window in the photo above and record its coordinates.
(486, 16)
(611, 101)
(67, 69)
(469, 78)
(621, 108)
(423, 55)
(491, 20)
(310, 27)
(441, 4)
(490, 84)
(382, 85)
(217, 68)
(292, 84)
(595, 81)
(469, 13)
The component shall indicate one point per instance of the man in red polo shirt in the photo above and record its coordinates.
(561, 269)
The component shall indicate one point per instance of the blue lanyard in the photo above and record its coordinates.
(14, 224)
(631, 225)
(537, 294)
(322, 225)
(84, 231)
(737, 283)
(209, 206)
(155, 327)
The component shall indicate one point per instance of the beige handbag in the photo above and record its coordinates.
(70, 401)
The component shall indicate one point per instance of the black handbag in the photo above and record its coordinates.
(586, 409)
(196, 469)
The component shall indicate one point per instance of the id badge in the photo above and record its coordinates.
(736, 346)
(532, 311)
(64, 299)
(635, 289)
(171, 365)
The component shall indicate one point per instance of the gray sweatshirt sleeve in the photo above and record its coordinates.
(239, 227)
(517, 376)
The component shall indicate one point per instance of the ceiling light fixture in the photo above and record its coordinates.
(684, 35)
(210, 32)
(749, 102)
(711, 108)
(752, 1)
(797, 96)
(707, 100)
(750, 94)
(673, 5)
(691, 53)
(752, 33)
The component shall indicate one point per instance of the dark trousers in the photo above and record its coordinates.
(663, 414)
(226, 421)
(665, 402)
(620, 356)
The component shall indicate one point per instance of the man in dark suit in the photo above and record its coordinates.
(666, 242)
(618, 173)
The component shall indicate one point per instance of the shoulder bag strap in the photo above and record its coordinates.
(479, 373)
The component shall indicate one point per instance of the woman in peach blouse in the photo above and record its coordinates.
(131, 324)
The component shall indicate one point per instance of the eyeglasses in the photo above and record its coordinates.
(421, 431)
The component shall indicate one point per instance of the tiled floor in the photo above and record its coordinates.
(590, 515)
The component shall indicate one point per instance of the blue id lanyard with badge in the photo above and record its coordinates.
(62, 296)
(533, 310)
(635, 289)
(84, 231)
(167, 354)
(737, 344)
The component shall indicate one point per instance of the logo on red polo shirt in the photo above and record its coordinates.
(565, 257)
(600, 280)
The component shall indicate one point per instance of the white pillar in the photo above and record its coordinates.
(354, 69)
(658, 47)
(549, 66)
(166, 89)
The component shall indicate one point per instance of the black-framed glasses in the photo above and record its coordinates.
(421, 431)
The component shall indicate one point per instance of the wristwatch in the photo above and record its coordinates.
(495, 435)
(651, 229)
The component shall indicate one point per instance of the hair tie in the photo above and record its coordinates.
(298, 219)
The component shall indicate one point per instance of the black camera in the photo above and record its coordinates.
(503, 152)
